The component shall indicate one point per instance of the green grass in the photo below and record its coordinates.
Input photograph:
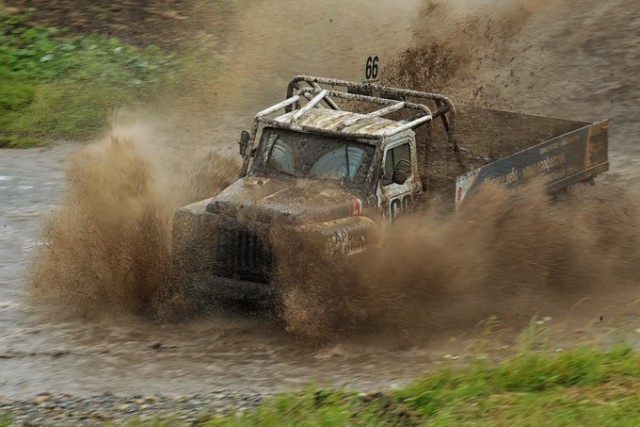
(583, 386)
(56, 86)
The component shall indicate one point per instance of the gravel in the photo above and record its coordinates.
(49, 409)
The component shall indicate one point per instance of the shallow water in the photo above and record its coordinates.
(118, 355)
(128, 355)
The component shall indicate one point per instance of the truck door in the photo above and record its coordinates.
(398, 179)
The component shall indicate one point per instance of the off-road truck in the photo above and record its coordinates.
(336, 159)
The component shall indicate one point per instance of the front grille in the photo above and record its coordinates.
(241, 254)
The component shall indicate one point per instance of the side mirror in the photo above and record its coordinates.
(244, 142)
(401, 172)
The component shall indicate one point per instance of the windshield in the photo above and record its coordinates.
(313, 156)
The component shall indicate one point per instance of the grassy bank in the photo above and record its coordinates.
(53, 85)
(586, 386)
(583, 386)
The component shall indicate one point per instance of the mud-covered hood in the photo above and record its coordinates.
(286, 200)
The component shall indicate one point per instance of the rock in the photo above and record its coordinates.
(66, 409)
(41, 398)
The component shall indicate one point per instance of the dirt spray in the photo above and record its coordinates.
(514, 255)
(107, 248)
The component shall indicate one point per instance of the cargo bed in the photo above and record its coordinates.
(512, 149)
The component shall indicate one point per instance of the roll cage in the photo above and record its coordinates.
(305, 93)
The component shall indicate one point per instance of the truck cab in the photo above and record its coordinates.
(381, 173)
(372, 153)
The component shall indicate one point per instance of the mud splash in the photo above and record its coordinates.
(564, 59)
(508, 255)
(106, 250)
(454, 37)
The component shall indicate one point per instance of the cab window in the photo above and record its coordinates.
(393, 157)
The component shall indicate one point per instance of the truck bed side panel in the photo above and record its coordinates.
(564, 160)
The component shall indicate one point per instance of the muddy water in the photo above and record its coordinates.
(30, 184)
(131, 355)
(272, 41)
(269, 42)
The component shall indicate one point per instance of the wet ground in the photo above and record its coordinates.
(128, 355)
(131, 355)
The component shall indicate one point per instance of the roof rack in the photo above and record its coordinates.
(316, 95)
(305, 93)
(372, 92)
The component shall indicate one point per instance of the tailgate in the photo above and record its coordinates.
(564, 160)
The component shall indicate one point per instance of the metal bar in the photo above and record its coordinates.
(354, 97)
(309, 105)
(366, 86)
(448, 123)
(374, 100)
(446, 111)
(329, 101)
(410, 125)
(373, 139)
(417, 120)
(280, 105)
(309, 97)
(378, 113)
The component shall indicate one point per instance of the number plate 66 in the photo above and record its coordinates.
(371, 70)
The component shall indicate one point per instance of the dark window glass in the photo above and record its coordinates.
(312, 156)
(394, 156)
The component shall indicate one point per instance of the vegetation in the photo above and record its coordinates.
(586, 385)
(57, 86)
(583, 386)
(54, 85)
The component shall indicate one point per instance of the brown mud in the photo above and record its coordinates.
(107, 248)
(508, 255)
(573, 59)
(436, 277)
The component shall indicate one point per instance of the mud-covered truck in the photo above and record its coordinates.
(336, 159)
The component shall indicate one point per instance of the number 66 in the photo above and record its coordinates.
(371, 68)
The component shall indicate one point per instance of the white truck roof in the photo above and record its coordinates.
(345, 121)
